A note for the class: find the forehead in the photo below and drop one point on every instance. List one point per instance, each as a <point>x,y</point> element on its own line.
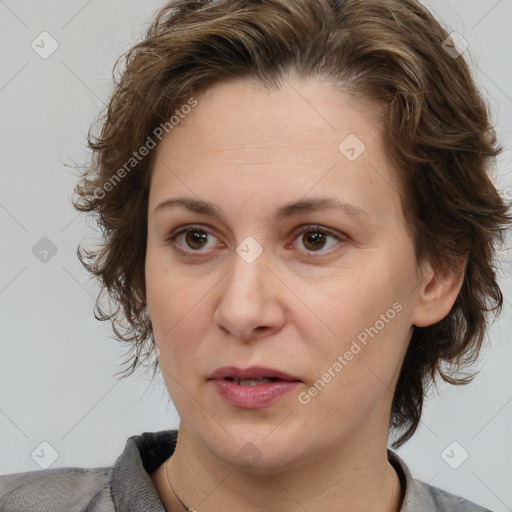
<point>306,135</point>
<point>242,115</point>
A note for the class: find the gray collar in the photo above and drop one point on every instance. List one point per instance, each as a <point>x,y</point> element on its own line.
<point>132,488</point>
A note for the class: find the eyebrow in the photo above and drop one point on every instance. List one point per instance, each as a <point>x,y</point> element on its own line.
<point>285,211</point>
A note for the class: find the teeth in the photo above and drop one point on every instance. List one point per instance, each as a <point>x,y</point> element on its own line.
<point>252,382</point>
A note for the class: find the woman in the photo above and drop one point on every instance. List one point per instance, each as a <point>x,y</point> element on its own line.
<point>297,214</point>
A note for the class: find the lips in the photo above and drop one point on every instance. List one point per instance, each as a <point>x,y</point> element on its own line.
<point>254,372</point>
<point>253,387</point>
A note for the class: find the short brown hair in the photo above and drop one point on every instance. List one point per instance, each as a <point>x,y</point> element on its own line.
<point>435,127</point>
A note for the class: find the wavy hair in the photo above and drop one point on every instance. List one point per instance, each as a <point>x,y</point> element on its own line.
<point>435,126</point>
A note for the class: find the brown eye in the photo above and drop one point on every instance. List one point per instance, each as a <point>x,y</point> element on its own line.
<point>195,239</point>
<point>190,239</point>
<point>315,239</point>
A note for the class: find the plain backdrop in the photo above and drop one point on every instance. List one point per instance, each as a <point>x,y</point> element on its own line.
<point>57,363</point>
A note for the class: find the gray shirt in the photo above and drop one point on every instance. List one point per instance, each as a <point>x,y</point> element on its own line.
<point>127,487</point>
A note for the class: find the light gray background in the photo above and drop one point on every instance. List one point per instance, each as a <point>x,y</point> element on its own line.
<point>57,363</point>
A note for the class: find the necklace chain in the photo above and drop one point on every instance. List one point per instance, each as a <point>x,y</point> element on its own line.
<point>188,509</point>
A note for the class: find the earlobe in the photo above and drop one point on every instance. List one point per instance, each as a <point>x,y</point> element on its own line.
<point>438,291</point>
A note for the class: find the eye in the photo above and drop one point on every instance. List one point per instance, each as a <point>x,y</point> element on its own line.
<point>316,238</point>
<point>194,236</point>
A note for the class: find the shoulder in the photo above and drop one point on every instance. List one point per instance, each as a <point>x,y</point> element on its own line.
<point>56,490</point>
<point>422,497</point>
<point>126,485</point>
<point>446,501</point>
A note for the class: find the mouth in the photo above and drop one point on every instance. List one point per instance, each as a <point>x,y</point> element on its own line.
<point>251,382</point>
<point>252,376</point>
<point>254,387</point>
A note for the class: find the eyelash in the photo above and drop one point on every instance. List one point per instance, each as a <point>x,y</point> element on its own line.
<point>171,239</point>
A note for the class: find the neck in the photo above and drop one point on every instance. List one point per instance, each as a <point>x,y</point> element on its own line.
<point>344,479</point>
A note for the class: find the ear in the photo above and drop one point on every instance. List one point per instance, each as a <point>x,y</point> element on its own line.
<point>439,289</point>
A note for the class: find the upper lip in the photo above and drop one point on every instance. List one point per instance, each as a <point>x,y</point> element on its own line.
<point>253,372</point>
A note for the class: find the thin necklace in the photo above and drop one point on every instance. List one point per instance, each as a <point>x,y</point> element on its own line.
<point>188,509</point>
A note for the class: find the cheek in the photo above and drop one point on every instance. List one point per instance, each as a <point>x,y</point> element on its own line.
<point>167,300</point>
<point>354,369</point>
<point>356,299</point>
<point>368,325</point>
<point>168,296</point>
<point>178,314</point>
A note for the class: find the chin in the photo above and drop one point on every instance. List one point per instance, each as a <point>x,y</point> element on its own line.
<point>257,449</point>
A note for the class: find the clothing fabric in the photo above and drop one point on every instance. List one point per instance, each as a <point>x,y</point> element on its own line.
<point>126,486</point>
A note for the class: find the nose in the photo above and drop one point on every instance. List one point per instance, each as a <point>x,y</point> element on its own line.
<point>250,304</point>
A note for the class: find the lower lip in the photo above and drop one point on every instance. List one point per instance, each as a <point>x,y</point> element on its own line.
<point>252,397</point>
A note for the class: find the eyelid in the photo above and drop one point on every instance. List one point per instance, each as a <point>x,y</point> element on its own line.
<point>187,227</point>
<point>312,227</point>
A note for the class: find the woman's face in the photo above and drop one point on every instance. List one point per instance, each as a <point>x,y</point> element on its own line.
<point>326,295</point>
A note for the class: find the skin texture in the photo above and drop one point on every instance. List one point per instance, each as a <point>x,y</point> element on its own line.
<point>249,150</point>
